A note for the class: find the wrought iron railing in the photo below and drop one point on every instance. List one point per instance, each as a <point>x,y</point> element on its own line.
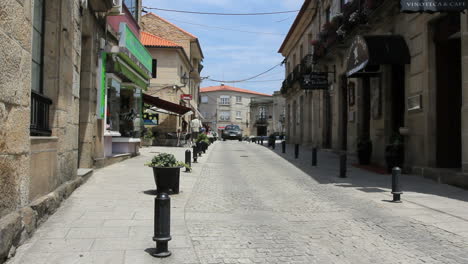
<point>261,119</point>
<point>40,114</point>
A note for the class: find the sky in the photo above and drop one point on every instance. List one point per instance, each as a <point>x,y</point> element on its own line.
<point>232,55</point>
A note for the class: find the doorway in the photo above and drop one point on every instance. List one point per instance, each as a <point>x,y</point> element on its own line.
<point>261,131</point>
<point>327,132</point>
<point>344,112</point>
<point>448,92</point>
<point>398,99</point>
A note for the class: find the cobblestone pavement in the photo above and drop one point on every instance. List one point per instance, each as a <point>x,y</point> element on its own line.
<point>245,203</point>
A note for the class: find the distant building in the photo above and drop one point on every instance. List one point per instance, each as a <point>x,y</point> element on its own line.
<point>170,64</point>
<point>224,105</point>
<point>177,58</point>
<point>267,115</point>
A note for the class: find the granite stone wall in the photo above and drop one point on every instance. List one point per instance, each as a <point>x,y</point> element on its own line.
<point>15,89</point>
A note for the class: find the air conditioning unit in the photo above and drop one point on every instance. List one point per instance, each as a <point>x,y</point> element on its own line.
<point>117,8</point>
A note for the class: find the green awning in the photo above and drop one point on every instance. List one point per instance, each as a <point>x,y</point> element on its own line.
<point>122,67</point>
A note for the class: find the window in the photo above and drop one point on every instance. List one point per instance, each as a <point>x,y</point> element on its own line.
<point>204,99</point>
<point>225,116</point>
<point>40,105</point>
<point>239,99</point>
<point>262,112</point>
<point>225,100</point>
<point>154,71</point>
<point>38,46</point>
<point>132,6</point>
<point>238,114</point>
<point>301,52</point>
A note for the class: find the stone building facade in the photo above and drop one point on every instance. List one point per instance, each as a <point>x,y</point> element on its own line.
<point>401,94</point>
<point>176,72</point>
<point>225,105</point>
<point>267,115</point>
<point>160,27</point>
<point>49,56</point>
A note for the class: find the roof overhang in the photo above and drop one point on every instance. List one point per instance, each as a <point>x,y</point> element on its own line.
<point>367,53</point>
<point>296,22</point>
<point>170,107</point>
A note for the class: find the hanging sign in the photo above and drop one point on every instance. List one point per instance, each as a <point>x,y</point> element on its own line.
<point>186,97</point>
<point>431,6</point>
<point>315,81</point>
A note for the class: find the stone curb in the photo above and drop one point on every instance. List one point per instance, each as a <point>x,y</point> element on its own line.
<point>17,227</point>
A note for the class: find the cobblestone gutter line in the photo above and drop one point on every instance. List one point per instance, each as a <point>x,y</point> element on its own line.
<point>17,227</point>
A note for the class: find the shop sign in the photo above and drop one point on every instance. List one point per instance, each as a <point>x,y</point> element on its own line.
<point>137,51</point>
<point>186,97</point>
<point>316,81</point>
<point>431,6</point>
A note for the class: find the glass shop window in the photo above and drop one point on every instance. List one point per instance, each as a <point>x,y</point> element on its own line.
<point>113,105</point>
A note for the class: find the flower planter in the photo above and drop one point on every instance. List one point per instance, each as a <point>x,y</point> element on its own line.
<point>147,142</point>
<point>203,146</point>
<point>167,179</point>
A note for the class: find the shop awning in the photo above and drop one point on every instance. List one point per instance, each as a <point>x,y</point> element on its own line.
<point>165,105</point>
<point>368,52</point>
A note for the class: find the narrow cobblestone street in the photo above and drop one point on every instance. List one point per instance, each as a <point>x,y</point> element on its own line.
<point>244,203</point>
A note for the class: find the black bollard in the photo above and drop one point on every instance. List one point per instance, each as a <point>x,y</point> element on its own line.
<point>396,188</point>
<point>273,145</point>
<point>188,157</point>
<point>343,165</point>
<point>162,224</point>
<point>195,154</point>
<point>283,146</point>
<point>261,141</point>
<point>314,157</point>
<point>296,151</point>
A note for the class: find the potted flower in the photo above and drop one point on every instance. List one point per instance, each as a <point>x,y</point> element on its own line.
<point>148,138</point>
<point>203,142</point>
<point>364,150</point>
<point>394,152</point>
<point>166,172</point>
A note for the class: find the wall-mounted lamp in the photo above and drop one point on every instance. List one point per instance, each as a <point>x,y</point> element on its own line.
<point>184,79</point>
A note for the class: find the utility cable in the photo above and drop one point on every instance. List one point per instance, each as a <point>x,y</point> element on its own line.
<point>247,79</point>
<point>230,29</point>
<point>220,14</point>
<point>277,80</point>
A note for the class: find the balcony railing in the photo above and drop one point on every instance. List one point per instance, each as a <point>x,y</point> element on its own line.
<point>40,115</point>
<point>343,25</point>
<point>261,120</point>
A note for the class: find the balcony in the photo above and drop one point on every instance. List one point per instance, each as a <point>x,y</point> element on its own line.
<point>101,5</point>
<point>296,73</point>
<point>261,120</point>
<point>342,26</point>
<point>40,114</point>
<point>306,64</point>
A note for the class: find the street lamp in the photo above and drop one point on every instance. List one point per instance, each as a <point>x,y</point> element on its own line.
<point>184,79</point>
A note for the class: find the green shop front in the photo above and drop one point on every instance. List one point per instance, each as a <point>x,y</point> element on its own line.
<point>125,73</point>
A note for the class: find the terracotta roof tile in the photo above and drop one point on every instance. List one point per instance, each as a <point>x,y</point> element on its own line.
<point>229,88</point>
<point>148,39</point>
<point>188,33</point>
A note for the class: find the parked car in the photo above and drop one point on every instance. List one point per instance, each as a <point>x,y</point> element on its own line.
<point>232,132</point>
